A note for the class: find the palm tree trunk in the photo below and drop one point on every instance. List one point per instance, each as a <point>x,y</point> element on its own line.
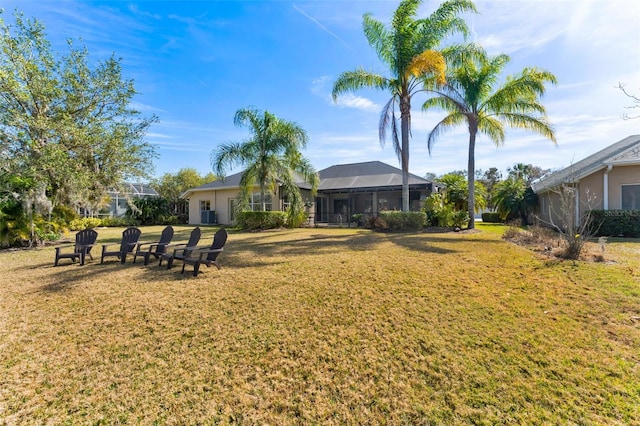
<point>471,172</point>
<point>405,128</point>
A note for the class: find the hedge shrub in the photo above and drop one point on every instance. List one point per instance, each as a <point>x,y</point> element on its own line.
<point>616,223</point>
<point>491,217</point>
<point>249,220</point>
<point>404,221</point>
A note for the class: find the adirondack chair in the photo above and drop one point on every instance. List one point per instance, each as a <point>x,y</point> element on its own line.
<point>85,240</point>
<point>147,250</point>
<point>207,256</point>
<point>181,250</point>
<point>129,241</point>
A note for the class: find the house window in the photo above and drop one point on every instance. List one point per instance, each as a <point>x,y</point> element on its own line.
<point>255,202</point>
<point>630,197</point>
<point>205,205</point>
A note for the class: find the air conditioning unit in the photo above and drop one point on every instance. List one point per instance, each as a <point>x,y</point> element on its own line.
<point>208,217</point>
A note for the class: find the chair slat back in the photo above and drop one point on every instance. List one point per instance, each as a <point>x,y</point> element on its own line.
<point>86,237</point>
<point>194,239</point>
<point>165,238</point>
<point>130,236</point>
<point>219,240</point>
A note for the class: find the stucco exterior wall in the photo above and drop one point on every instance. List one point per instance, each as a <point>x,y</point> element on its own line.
<point>219,202</point>
<point>592,192</point>
<point>618,176</point>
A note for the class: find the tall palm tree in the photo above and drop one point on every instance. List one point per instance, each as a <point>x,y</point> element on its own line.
<point>271,155</point>
<point>473,97</point>
<point>407,49</point>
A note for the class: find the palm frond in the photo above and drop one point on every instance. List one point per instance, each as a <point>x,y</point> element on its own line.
<point>353,80</point>
<point>493,128</point>
<point>387,116</point>
<point>448,122</point>
<point>378,38</point>
<point>429,62</point>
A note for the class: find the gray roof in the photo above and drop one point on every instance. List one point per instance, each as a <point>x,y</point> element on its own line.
<point>231,182</point>
<point>369,175</point>
<point>622,152</point>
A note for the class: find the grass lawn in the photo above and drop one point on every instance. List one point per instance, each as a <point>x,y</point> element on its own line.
<point>324,326</point>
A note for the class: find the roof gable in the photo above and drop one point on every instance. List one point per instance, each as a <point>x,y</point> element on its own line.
<point>372,174</point>
<point>623,152</point>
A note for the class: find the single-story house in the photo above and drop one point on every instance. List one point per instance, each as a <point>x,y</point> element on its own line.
<point>606,180</point>
<point>344,190</point>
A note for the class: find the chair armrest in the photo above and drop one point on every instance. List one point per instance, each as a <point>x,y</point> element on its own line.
<point>62,246</point>
<point>152,245</point>
<point>185,249</point>
<point>207,251</point>
<point>140,244</point>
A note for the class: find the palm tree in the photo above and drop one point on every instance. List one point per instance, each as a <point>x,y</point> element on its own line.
<point>271,156</point>
<point>472,96</point>
<point>407,50</point>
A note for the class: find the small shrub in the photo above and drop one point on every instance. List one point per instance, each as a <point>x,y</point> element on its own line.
<point>460,219</point>
<point>115,222</point>
<point>376,222</point>
<point>358,218</point>
<point>63,215</point>
<point>84,223</point>
<point>404,221</point>
<point>491,217</point>
<point>250,220</point>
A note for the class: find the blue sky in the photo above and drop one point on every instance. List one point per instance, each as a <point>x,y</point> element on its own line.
<point>195,63</point>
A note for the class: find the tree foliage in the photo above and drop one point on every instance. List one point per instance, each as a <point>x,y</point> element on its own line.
<point>474,97</point>
<point>67,129</point>
<point>171,185</point>
<point>407,49</point>
<point>514,198</point>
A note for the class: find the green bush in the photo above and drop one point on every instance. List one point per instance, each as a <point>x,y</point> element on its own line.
<point>616,223</point>
<point>84,223</point>
<point>250,220</point>
<point>404,221</point>
<point>14,226</point>
<point>116,222</point>
<point>63,215</point>
<point>491,217</point>
<point>460,219</point>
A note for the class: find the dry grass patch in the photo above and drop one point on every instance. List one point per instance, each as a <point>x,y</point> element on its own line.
<point>327,326</point>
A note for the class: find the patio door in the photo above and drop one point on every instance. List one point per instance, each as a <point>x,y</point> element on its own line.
<point>232,210</point>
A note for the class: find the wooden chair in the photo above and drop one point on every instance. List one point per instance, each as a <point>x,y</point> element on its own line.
<point>85,240</point>
<point>181,250</point>
<point>130,237</point>
<point>207,256</point>
<point>147,250</point>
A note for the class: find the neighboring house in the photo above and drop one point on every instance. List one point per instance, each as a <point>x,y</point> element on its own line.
<point>606,180</point>
<point>118,204</point>
<point>365,188</point>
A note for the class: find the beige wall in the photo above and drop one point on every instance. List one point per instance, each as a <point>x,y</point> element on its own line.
<point>219,202</point>
<point>618,176</point>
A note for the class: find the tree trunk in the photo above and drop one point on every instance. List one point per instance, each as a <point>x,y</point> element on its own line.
<point>471,172</point>
<point>405,128</point>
